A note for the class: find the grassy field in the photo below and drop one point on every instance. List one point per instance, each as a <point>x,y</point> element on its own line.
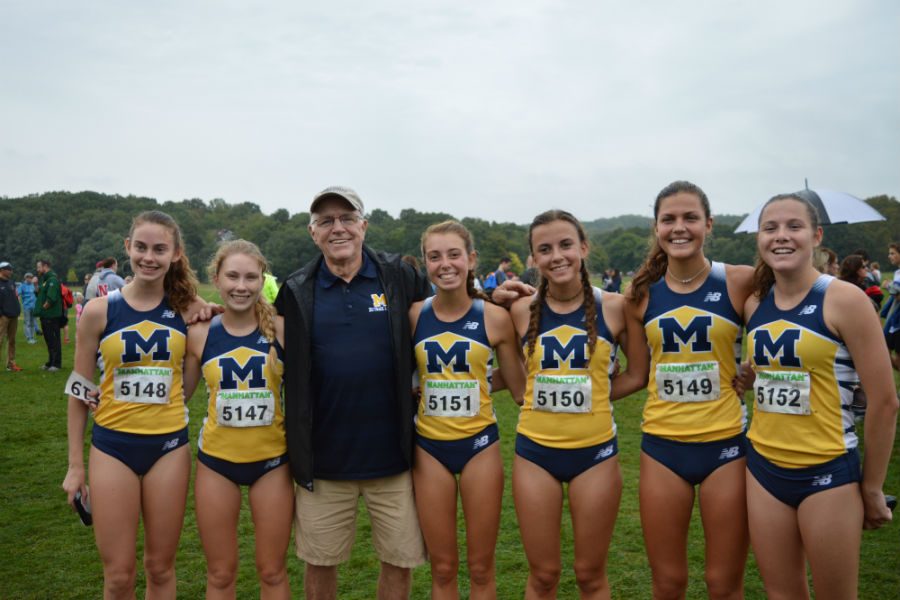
<point>47,553</point>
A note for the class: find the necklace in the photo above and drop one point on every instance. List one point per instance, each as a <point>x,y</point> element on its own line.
<point>569,299</point>
<point>692,277</point>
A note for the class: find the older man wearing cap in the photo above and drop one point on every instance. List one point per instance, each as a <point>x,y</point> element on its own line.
<point>9,316</point>
<point>348,402</point>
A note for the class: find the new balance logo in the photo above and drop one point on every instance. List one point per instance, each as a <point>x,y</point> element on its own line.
<point>471,325</point>
<point>822,480</point>
<point>604,452</point>
<point>808,309</point>
<point>170,444</point>
<point>713,297</point>
<point>168,314</point>
<point>480,442</point>
<point>730,452</point>
<point>272,463</point>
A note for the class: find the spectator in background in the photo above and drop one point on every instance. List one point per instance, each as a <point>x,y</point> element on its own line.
<point>826,261</point>
<point>530,274</point>
<point>79,306</point>
<point>68,299</point>
<point>891,310</point>
<point>36,285</point>
<point>875,270</point>
<point>90,290</point>
<point>108,280</point>
<point>870,280</point>
<point>87,282</point>
<point>9,315</point>
<point>496,278</point>
<point>28,296</point>
<point>270,287</point>
<point>49,308</point>
<point>612,282</point>
<point>854,270</point>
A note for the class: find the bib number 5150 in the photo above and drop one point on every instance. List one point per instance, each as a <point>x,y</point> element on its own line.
<point>562,393</point>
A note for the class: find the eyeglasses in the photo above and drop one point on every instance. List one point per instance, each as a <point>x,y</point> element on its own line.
<point>347,220</point>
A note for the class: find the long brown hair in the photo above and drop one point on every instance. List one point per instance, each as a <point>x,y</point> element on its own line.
<point>180,282</point>
<point>265,312</point>
<point>850,267</point>
<point>588,303</point>
<point>457,228</point>
<point>657,261</point>
<point>763,275</point>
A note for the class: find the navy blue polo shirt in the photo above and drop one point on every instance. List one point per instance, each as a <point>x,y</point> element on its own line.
<point>356,416</point>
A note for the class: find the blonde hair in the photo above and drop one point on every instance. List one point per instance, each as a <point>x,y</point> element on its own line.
<point>180,282</point>
<point>265,312</point>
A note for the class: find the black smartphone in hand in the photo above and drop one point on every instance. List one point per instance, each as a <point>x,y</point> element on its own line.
<point>83,508</point>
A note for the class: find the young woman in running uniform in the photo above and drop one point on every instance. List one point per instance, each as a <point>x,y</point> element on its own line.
<point>690,310</point>
<point>566,433</point>
<point>455,334</point>
<point>139,461</point>
<point>242,441</point>
<point>812,340</point>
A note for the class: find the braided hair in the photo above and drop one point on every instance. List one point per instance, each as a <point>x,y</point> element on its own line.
<point>588,303</point>
<point>264,312</point>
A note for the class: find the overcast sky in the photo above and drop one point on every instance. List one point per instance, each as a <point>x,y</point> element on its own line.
<point>495,109</point>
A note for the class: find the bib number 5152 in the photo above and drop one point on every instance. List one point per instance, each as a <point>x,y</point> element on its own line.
<point>784,392</point>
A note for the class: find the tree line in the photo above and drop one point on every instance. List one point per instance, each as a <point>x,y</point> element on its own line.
<point>75,230</point>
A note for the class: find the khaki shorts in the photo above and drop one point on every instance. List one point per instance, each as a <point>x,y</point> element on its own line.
<point>326,520</point>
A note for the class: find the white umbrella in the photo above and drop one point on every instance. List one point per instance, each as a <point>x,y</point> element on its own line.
<point>833,207</point>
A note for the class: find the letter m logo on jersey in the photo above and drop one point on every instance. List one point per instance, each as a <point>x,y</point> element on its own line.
<point>145,340</point>
<point>694,335</point>
<point>250,370</point>
<point>564,345</point>
<point>447,352</point>
<point>783,347</point>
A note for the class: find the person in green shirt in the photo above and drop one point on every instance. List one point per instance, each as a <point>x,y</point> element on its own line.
<point>49,308</point>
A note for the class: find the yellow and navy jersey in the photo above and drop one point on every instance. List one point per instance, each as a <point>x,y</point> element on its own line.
<point>567,391</point>
<point>695,350</point>
<point>245,419</point>
<point>454,362</point>
<point>141,387</point>
<point>804,383</point>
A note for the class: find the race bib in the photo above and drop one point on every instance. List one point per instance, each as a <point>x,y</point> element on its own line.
<point>245,408</point>
<point>460,398</point>
<point>688,382</point>
<point>785,392</point>
<point>79,386</point>
<point>562,393</point>
<point>144,385</point>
